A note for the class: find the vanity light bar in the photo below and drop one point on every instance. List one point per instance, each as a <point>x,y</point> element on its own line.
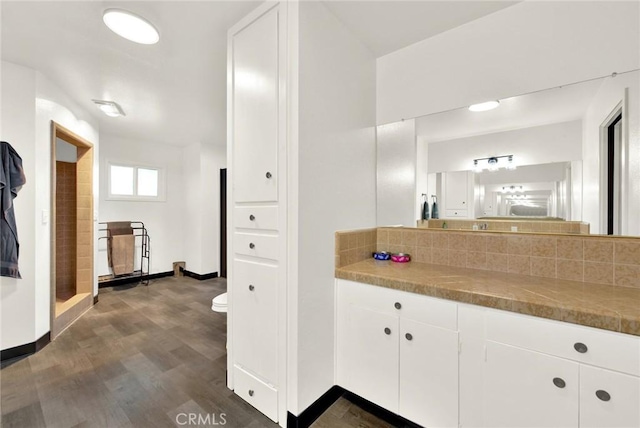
<point>493,163</point>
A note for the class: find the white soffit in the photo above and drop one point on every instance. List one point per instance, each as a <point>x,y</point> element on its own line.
<point>386,26</point>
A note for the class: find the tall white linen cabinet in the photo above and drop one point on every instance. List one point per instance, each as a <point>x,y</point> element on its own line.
<point>301,165</point>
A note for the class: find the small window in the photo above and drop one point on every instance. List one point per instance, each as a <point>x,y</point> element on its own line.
<point>137,183</point>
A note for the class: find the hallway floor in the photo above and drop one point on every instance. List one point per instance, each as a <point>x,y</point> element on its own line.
<point>140,358</point>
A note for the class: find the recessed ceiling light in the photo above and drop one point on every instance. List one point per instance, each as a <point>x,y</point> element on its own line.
<point>489,105</point>
<point>131,26</point>
<point>110,108</point>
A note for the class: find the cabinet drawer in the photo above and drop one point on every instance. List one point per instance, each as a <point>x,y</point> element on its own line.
<point>254,289</point>
<point>265,218</point>
<point>250,244</point>
<point>255,392</point>
<point>424,309</point>
<point>588,345</point>
<point>455,213</point>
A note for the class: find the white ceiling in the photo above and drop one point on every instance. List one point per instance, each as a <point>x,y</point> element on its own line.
<point>175,91</point>
<point>386,26</point>
<point>172,92</point>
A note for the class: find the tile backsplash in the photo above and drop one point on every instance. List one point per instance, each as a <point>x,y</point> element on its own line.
<point>586,258</point>
<point>522,225</point>
<point>354,246</point>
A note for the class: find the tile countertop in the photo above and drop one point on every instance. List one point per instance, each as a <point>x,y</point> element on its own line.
<point>595,305</point>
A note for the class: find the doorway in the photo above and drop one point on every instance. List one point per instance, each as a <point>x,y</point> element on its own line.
<point>71,227</point>
<point>223,223</point>
<point>612,173</point>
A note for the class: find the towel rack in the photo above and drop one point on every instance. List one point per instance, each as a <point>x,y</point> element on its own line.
<point>139,230</point>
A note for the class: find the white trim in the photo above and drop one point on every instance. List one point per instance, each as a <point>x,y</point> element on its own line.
<point>162,182</point>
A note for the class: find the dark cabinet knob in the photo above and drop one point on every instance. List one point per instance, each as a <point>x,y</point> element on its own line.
<point>580,347</point>
<point>560,383</point>
<point>252,217</point>
<point>251,288</point>
<point>603,395</point>
<point>409,336</point>
<point>252,245</point>
<point>251,393</point>
<point>387,330</point>
<point>397,305</point>
<point>268,175</point>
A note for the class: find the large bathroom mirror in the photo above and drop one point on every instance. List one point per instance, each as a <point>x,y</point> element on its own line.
<point>569,153</point>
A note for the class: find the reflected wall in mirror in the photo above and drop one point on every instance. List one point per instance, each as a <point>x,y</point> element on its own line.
<point>576,149</point>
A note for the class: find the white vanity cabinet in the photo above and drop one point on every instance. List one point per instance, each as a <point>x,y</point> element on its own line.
<point>441,363</point>
<point>257,209</point>
<point>543,373</point>
<point>400,351</point>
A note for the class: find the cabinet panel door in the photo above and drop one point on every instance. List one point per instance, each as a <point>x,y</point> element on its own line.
<point>255,110</point>
<point>255,296</point>
<point>456,190</point>
<point>520,390</point>
<point>428,374</point>
<point>622,409</point>
<point>372,356</point>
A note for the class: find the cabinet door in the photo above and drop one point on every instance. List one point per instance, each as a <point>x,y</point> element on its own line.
<point>372,356</point>
<point>608,399</point>
<point>520,390</point>
<point>428,374</point>
<point>255,110</point>
<point>456,190</point>
<point>255,297</point>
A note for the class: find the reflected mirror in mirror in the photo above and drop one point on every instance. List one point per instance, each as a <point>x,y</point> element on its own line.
<point>576,150</point>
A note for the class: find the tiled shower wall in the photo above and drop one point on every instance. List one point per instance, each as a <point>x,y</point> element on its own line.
<point>592,258</point>
<point>66,226</point>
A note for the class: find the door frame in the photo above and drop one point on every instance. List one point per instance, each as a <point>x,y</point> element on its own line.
<point>223,222</point>
<point>83,300</point>
<point>619,110</point>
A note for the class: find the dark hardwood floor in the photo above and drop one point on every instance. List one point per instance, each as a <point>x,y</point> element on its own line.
<point>141,357</point>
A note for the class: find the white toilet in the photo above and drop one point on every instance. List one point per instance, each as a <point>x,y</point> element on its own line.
<point>219,303</point>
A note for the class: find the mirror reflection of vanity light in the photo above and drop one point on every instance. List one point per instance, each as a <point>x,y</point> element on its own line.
<point>493,163</point>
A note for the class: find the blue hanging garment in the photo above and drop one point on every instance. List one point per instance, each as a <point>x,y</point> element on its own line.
<point>434,208</point>
<point>425,208</point>
<point>12,178</point>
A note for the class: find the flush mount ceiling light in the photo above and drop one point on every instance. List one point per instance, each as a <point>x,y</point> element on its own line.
<point>489,105</point>
<point>131,26</point>
<point>109,108</point>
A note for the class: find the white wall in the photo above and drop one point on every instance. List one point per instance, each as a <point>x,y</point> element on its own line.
<point>164,220</point>
<point>29,103</point>
<point>336,179</point>
<point>526,47</point>
<point>557,142</point>
<point>201,211</point>
<point>17,298</point>
<point>612,92</point>
<point>396,174</point>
